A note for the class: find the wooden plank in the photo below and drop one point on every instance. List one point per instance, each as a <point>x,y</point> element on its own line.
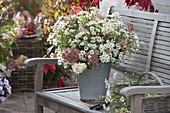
<point>157,69</point>
<point>134,63</point>
<point>161,33</point>
<point>54,101</point>
<point>133,67</point>
<point>138,24</point>
<point>163,2</point>
<point>161,56</point>
<point>143,14</point>
<point>137,20</point>
<point>160,74</point>
<point>163,38</point>
<point>151,46</point>
<point>163,52</point>
<point>164,61</point>
<point>140,56</point>
<point>165,43</point>
<point>133,59</point>
<point>161,65</point>
<point>138,29</point>
<point>165,24</point>
<point>164,29</point>
<point>156,46</point>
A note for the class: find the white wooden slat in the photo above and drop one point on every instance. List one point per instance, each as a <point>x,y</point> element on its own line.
<point>143,35</point>
<point>158,60</point>
<point>145,40</point>
<point>162,47</point>
<point>161,75</point>
<point>138,24</point>
<point>163,52</point>
<point>161,33</point>
<point>143,51</point>
<point>163,9</point>
<point>162,2</point>
<point>140,56</point>
<point>135,63</point>
<point>161,56</point>
<point>141,25</point>
<point>139,29</point>
<point>133,59</point>
<point>137,20</point>
<point>160,65</point>
<point>165,43</point>
<point>143,14</point>
<point>151,45</point>
<point>131,67</point>
<point>162,70</point>
<point>165,24</point>
<point>164,29</point>
<point>163,38</point>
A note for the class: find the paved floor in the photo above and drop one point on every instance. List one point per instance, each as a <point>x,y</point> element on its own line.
<point>19,102</point>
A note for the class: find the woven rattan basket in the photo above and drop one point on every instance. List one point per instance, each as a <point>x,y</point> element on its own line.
<point>156,104</point>
<point>30,46</point>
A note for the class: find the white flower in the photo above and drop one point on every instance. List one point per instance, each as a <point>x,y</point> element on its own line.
<point>79,67</point>
<point>93,32</point>
<point>91,28</point>
<point>91,51</point>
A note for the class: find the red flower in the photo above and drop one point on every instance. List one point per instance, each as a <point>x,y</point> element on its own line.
<point>95,2</point>
<point>60,82</point>
<point>49,66</point>
<point>142,4</point>
<point>75,84</point>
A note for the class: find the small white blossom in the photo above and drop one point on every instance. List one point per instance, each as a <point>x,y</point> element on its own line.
<point>79,67</point>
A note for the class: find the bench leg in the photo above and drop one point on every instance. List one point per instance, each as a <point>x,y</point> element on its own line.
<point>38,109</point>
<point>136,104</point>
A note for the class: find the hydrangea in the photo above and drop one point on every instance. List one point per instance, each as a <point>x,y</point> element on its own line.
<point>5,89</point>
<point>90,38</point>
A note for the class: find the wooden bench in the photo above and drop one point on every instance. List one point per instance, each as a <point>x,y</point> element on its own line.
<point>154,30</point>
<point>61,100</point>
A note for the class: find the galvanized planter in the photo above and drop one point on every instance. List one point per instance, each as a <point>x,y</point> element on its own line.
<point>92,82</point>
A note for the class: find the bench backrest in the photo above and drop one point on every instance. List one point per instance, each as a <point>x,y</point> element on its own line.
<point>154,30</point>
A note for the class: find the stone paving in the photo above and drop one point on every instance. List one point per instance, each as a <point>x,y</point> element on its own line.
<point>20,102</point>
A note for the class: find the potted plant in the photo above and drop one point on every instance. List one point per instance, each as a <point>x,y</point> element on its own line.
<point>88,40</point>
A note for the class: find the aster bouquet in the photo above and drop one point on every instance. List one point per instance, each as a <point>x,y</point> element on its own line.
<point>82,41</point>
<point>5,88</point>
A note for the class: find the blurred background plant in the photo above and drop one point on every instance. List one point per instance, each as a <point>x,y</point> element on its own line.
<point>7,34</point>
<point>145,5</point>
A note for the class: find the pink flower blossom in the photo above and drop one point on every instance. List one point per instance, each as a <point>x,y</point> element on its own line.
<point>92,60</point>
<point>19,32</point>
<point>71,55</point>
<point>5,36</point>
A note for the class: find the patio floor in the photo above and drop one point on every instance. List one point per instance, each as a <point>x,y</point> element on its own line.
<point>20,102</point>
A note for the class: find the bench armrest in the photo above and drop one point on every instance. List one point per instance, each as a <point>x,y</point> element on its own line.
<point>137,92</point>
<point>39,67</point>
<point>140,90</point>
<point>41,61</point>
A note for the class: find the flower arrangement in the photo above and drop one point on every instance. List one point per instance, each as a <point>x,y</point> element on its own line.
<point>82,41</point>
<point>5,88</point>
